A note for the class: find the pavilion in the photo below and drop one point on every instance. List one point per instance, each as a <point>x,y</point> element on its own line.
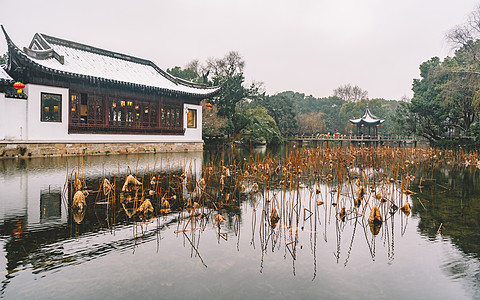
<point>368,120</point>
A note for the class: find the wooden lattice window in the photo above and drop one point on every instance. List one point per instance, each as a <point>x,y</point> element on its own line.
<point>171,116</point>
<point>94,110</point>
<point>132,113</point>
<point>74,108</point>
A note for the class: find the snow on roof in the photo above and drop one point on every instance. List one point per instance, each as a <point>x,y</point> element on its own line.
<point>4,76</point>
<point>367,117</point>
<point>79,59</point>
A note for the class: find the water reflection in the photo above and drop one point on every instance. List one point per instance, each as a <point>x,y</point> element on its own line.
<point>271,218</point>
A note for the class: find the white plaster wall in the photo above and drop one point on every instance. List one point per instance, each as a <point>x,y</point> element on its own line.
<point>3,124</point>
<point>194,134</point>
<point>58,131</point>
<point>41,131</point>
<point>14,119</point>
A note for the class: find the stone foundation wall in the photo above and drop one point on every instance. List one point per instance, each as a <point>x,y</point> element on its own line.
<point>8,150</point>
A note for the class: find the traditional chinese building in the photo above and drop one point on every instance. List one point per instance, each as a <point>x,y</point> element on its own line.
<point>367,125</point>
<point>78,95</point>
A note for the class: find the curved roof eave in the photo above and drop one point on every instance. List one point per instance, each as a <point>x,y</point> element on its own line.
<point>5,78</point>
<point>106,80</point>
<point>367,118</point>
<point>363,121</point>
<point>214,90</point>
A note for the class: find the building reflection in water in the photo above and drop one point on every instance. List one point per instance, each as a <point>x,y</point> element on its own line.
<point>35,213</point>
<point>309,220</point>
<point>50,205</point>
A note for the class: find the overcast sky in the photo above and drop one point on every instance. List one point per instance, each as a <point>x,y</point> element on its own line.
<point>306,46</point>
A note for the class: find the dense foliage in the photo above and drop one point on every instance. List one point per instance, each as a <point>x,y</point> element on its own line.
<point>330,114</point>
<point>236,111</point>
<point>282,110</point>
<point>446,101</point>
<point>255,125</point>
<point>245,113</point>
<point>213,125</point>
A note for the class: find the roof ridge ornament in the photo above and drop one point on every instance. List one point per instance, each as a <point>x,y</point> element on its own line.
<point>40,49</point>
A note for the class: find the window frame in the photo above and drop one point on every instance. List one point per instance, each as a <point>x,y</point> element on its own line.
<point>194,114</point>
<point>42,108</point>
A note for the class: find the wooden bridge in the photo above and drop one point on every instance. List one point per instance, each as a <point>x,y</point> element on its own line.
<point>355,140</point>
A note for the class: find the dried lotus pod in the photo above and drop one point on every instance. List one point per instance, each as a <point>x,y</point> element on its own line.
<point>79,202</point>
<point>130,184</point>
<point>165,204</point>
<point>107,187</point>
<point>78,184</point>
<point>255,187</point>
<point>342,214</point>
<point>202,184</point>
<point>274,217</point>
<point>406,208</point>
<point>360,192</point>
<point>219,219</point>
<point>375,216</point>
<point>146,207</point>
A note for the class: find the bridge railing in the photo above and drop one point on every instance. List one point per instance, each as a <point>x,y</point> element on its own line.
<point>323,137</point>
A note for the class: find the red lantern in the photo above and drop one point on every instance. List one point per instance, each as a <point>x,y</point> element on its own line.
<point>208,105</point>
<point>19,86</point>
<point>353,125</point>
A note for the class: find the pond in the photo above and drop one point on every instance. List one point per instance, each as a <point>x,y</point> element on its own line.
<point>213,232</point>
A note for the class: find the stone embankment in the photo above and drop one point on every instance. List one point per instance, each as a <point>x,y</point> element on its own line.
<point>9,150</point>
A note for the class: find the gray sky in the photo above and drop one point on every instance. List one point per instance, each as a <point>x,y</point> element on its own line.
<point>305,46</point>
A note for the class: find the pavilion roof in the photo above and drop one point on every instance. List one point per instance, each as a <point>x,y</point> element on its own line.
<point>75,60</point>
<point>367,119</point>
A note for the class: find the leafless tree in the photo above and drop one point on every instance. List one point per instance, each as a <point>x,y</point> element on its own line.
<point>232,63</point>
<point>358,94</point>
<point>350,93</point>
<point>311,123</point>
<point>195,66</point>
<point>464,35</point>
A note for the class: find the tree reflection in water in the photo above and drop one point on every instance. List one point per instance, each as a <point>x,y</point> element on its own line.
<point>289,205</point>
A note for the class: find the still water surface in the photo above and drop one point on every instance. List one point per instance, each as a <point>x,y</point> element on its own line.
<point>45,254</point>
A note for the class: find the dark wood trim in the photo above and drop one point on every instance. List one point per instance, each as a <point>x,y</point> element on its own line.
<point>96,129</point>
<point>165,116</point>
<point>42,116</point>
